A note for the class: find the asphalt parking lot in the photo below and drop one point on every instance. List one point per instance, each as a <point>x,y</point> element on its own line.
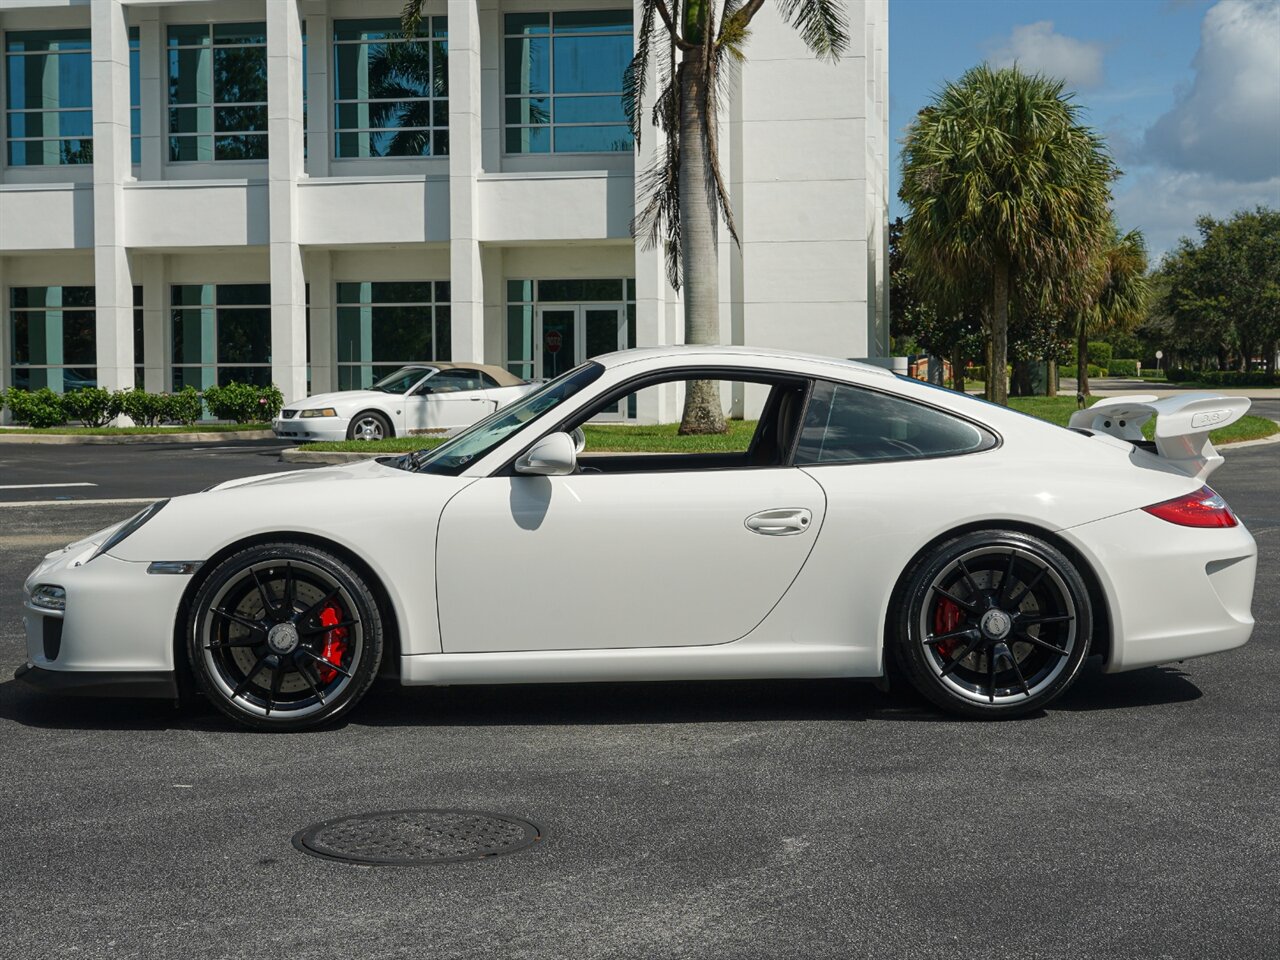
<point>1139,817</point>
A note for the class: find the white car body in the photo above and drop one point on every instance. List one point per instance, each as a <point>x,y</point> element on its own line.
<point>494,577</point>
<point>420,410</point>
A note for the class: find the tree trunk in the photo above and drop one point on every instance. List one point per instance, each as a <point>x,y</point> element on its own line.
<point>996,367</point>
<point>1051,384</point>
<point>1082,363</point>
<point>957,370</point>
<point>700,257</point>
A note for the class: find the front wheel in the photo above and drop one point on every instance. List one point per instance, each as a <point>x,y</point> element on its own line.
<point>369,425</point>
<point>284,636</point>
<point>992,624</point>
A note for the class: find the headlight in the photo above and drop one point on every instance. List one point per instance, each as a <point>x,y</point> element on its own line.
<point>49,596</point>
<point>128,528</point>
<point>323,412</point>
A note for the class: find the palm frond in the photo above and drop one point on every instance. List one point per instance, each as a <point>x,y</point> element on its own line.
<point>823,25</point>
<point>635,79</point>
<point>411,17</point>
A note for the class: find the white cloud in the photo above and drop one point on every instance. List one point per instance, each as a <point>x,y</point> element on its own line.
<point>1164,203</point>
<point>1228,122</point>
<point>1037,49</point>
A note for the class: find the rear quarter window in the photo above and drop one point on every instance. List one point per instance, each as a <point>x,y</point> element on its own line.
<point>844,424</point>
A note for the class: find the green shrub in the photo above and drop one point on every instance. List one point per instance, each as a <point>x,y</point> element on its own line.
<point>1236,378</point>
<point>1100,353</point>
<point>144,409</point>
<point>40,409</point>
<point>244,402</point>
<point>182,407</point>
<point>1070,370</point>
<point>1122,368</point>
<point>92,406</point>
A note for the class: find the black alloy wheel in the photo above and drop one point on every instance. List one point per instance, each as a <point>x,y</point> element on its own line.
<point>992,624</point>
<point>284,636</point>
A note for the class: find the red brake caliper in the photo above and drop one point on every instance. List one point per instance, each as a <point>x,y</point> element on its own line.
<point>335,643</point>
<point>946,618</point>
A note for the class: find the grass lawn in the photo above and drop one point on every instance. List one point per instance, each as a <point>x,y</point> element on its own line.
<point>130,431</point>
<point>664,439</point>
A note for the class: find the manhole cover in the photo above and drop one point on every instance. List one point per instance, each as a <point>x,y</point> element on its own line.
<point>415,837</point>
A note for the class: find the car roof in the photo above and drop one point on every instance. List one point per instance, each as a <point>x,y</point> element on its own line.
<point>737,354</point>
<point>505,378</point>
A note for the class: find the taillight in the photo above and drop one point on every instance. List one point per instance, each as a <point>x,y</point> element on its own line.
<point>1204,508</point>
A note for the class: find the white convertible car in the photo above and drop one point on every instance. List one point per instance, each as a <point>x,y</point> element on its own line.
<point>866,519</point>
<point>417,398</point>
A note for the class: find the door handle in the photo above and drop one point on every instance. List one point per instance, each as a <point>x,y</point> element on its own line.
<point>780,523</point>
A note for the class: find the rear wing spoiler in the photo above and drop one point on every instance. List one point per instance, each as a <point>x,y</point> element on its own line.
<point>1182,426</point>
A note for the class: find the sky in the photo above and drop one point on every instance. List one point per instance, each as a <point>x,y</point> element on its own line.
<point>1186,92</point>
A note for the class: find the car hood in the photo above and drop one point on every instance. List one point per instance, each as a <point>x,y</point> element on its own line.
<point>363,506</point>
<point>344,400</point>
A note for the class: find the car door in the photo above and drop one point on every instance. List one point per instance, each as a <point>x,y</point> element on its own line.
<point>627,559</point>
<point>451,398</point>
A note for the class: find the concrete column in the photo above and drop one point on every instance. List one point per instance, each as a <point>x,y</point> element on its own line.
<point>152,69</point>
<point>324,368</point>
<point>284,168</point>
<point>157,341</point>
<point>319,106</point>
<point>466,273</point>
<point>112,279</point>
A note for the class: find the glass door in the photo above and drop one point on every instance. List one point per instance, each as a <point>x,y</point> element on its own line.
<point>604,330</point>
<point>556,341</point>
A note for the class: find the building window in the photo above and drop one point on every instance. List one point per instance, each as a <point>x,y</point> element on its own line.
<point>382,326</point>
<point>48,111</point>
<point>135,97</point>
<point>52,338</point>
<point>221,333</point>
<point>218,91</point>
<point>139,343</point>
<point>390,91</point>
<point>563,81</point>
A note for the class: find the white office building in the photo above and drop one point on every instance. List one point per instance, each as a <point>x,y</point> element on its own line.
<point>195,191</point>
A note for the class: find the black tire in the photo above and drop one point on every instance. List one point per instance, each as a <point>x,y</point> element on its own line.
<point>992,624</point>
<point>284,636</point>
<point>369,425</point>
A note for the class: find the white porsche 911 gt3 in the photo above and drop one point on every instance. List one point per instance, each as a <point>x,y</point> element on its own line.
<point>866,518</point>
<point>417,398</point>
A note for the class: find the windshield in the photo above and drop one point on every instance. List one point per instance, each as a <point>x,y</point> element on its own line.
<point>402,380</point>
<point>453,456</point>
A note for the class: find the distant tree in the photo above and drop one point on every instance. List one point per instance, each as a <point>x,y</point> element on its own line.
<point>1221,293</point>
<point>1117,295</point>
<point>1003,182</point>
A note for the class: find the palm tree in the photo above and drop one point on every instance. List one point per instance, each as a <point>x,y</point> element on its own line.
<point>1119,292</point>
<point>1004,183</point>
<point>693,41</point>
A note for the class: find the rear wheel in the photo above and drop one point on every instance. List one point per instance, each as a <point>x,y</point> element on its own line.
<point>369,425</point>
<point>993,624</point>
<point>284,636</point>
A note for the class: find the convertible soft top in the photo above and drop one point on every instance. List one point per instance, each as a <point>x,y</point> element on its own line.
<point>505,378</point>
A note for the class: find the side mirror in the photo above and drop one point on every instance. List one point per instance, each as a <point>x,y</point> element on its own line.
<point>552,456</point>
<point>579,440</point>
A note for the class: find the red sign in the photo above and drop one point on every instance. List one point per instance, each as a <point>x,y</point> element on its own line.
<point>553,340</point>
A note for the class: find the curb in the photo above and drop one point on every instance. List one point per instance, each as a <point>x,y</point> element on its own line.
<point>84,438</point>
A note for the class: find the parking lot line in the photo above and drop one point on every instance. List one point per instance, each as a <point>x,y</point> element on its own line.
<point>33,486</point>
<point>77,503</point>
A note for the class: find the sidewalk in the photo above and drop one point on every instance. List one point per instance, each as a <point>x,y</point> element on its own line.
<point>1116,386</point>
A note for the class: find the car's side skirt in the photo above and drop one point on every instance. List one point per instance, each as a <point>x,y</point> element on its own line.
<point>720,662</point>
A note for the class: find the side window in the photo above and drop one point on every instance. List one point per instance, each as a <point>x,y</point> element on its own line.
<point>845,423</point>
<point>487,381</point>
<point>451,381</point>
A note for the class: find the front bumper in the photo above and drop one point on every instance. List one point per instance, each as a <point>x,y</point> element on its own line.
<point>116,634</point>
<point>1173,592</point>
<point>153,684</point>
<point>311,428</point>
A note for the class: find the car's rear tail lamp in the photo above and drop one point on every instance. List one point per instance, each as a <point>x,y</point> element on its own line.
<point>1204,508</point>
